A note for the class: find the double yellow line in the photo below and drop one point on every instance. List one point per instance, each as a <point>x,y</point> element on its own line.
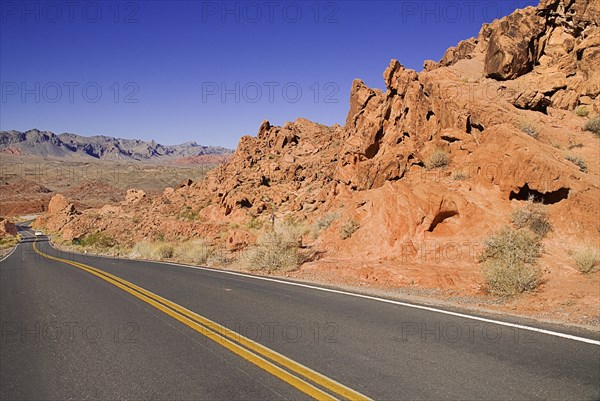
<point>301,377</point>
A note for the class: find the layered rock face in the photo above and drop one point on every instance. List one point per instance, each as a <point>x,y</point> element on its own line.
<point>498,108</point>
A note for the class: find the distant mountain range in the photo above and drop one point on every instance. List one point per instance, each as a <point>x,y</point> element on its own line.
<point>47,144</point>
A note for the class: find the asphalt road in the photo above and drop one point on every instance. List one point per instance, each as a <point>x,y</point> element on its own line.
<point>104,328</point>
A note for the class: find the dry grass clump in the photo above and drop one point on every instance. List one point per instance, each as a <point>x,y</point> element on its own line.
<point>586,259</point>
<point>508,261</point>
<point>460,175</point>
<point>197,251</point>
<point>323,223</point>
<point>157,250</point>
<point>278,249</point>
<point>578,161</point>
<point>9,241</point>
<point>533,216</point>
<point>439,158</point>
<point>529,128</point>
<point>582,111</point>
<point>97,240</point>
<point>593,125</point>
<point>193,251</point>
<point>348,228</point>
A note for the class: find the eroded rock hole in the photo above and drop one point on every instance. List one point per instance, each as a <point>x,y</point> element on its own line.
<point>547,198</point>
<point>449,139</point>
<point>440,217</point>
<point>264,181</point>
<point>245,203</point>
<point>374,147</point>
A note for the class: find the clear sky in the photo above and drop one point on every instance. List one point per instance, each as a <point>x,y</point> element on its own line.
<point>210,71</point>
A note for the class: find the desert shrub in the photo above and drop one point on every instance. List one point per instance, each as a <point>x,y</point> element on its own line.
<point>98,240</point>
<point>188,214</point>
<point>152,250</point>
<point>586,259</point>
<point>254,223</point>
<point>323,223</point>
<point>194,251</point>
<point>437,159</point>
<point>578,161</point>
<point>593,125</point>
<point>219,257</point>
<point>581,111</point>
<point>508,261</point>
<point>460,175</point>
<point>9,241</point>
<point>278,249</point>
<point>348,228</point>
<point>529,129</point>
<point>533,216</point>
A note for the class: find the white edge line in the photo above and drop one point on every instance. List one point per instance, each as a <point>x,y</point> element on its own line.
<point>11,252</point>
<point>372,298</point>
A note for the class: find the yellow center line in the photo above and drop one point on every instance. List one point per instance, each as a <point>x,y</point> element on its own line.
<point>226,338</point>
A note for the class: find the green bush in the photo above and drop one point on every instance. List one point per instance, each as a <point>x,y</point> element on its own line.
<point>348,228</point>
<point>437,159</point>
<point>578,161</point>
<point>586,259</point>
<point>593,125</point>
<point>508,261</point>
<point>533,216</point>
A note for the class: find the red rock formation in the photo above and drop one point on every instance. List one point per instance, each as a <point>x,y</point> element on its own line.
<point>499,107</point>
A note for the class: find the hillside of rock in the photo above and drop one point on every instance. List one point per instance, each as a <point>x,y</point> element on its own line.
<point>425,169</point>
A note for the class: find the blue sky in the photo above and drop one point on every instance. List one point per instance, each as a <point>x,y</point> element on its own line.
<point>210,71</point>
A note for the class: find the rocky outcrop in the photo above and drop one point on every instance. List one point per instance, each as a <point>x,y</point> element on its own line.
<point>7,228</point>
<point>545,55</point>
<point>60,213</point>
<point>134,196</point>
<point>513,44</point>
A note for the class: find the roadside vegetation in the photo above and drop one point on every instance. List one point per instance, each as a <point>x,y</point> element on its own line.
<point>509,261</point>
<point>509,258</point>
<point>97,240</point>
<point>586,259</point>
<point>278,249</point>
<point>9,241</point>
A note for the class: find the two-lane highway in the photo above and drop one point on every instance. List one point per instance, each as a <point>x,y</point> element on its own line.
<point>83,327</point>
